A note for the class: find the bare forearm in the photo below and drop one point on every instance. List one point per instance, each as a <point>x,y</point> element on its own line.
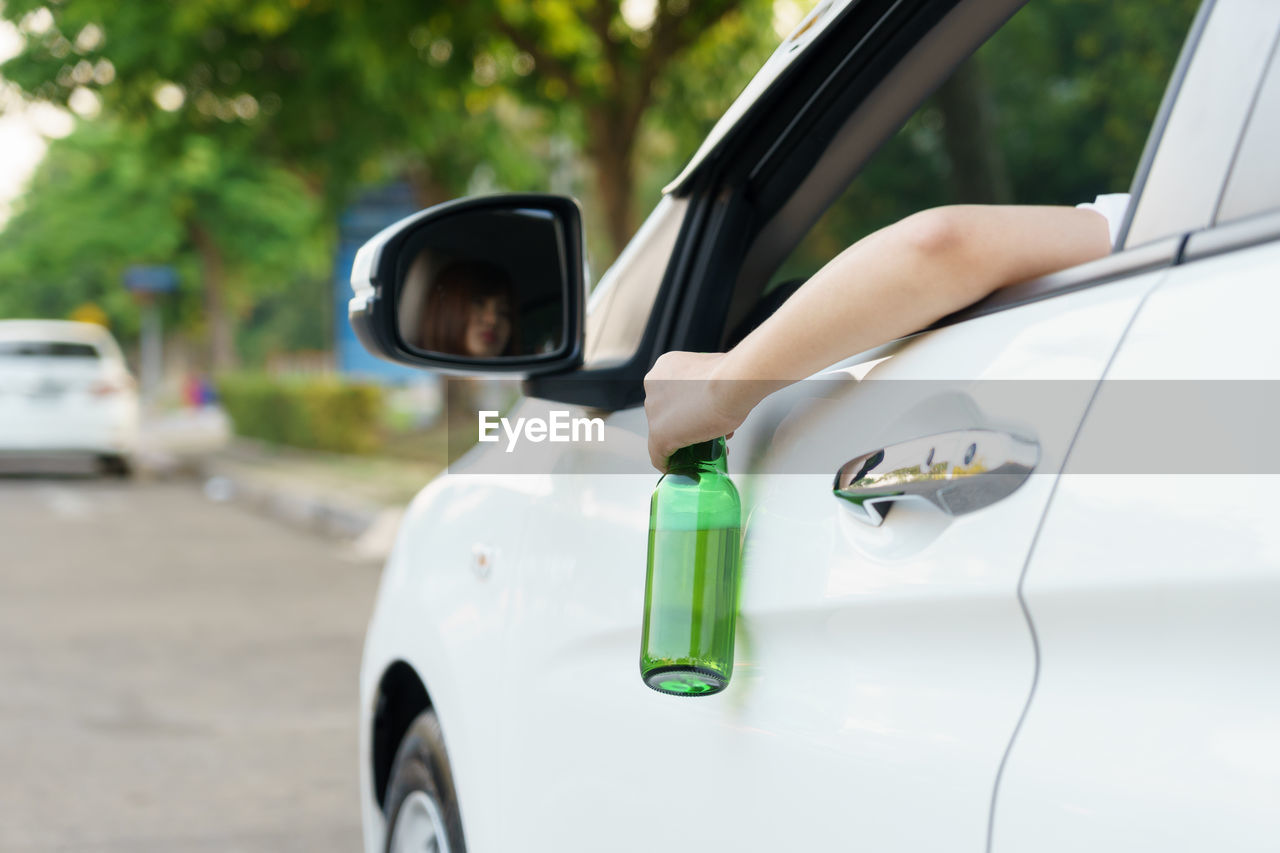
<point>902,278</point>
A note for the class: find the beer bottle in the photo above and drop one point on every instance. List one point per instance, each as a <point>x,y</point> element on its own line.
<point>691,589</point>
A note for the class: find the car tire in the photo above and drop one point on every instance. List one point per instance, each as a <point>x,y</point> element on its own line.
<point>421,805</point>
<point>115,465</point>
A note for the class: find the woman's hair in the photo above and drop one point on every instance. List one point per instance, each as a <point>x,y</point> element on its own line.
<point>449,300</point>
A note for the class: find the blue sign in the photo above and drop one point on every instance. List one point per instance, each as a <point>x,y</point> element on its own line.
<point>366,217</point>
<point>151,279</point>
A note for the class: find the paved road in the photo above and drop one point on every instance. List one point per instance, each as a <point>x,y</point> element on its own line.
<point>175,675</point>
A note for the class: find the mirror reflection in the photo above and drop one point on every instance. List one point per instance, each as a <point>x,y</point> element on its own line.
<point>469,312</point>
<point>486,285</point>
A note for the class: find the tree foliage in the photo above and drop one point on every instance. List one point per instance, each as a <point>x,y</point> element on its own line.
<point>223,114</point>
<point>346,93</point>
<point>107,197</point>
<point>614,69</point>
<point>230,131</point>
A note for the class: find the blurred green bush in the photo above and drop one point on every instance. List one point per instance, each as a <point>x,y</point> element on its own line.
<point>315,412</point>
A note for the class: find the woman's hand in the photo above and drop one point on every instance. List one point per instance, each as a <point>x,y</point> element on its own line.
<point>686,402</point>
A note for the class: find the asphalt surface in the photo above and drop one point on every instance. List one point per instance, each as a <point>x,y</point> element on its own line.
<point>175,674</point>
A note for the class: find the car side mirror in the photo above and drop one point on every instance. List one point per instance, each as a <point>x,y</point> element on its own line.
<point>493,284</point>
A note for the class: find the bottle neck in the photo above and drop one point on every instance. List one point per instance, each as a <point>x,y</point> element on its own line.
<point>704,457</point>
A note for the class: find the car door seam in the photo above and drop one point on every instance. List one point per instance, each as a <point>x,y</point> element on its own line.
<point>1035,539</point>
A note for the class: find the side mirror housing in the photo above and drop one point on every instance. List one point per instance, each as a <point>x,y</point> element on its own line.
<point>493,284</point>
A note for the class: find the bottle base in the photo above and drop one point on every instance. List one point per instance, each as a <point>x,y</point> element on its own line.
<point>685,680</point>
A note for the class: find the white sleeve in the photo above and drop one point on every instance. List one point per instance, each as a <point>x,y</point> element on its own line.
<point>1113,207</point>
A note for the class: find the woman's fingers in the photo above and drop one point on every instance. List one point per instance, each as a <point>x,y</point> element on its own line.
<point>657,458</point>
<point>679,405</point>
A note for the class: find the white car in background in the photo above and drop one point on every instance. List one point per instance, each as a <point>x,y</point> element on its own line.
<point>65,390</point>
<point>1083,659</point>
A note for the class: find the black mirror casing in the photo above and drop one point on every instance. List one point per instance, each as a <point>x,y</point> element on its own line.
<point>380,269</point>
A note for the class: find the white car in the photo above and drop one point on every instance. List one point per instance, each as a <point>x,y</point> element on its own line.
<point>65,390</point>
<point>1082,657</point>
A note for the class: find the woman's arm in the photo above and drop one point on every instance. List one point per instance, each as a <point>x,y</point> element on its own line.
<point>889,284</point>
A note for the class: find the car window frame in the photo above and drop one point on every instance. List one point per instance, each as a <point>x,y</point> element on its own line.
<point>1165,250</point>
<point>1134,257</point>
<point>758,189</point>
<point>1181,177</point>
<point>730,215</point>
<point>1125,260</point>
<point>1252,169</point>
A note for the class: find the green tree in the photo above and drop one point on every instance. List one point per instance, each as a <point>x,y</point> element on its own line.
<point>110,195</point>
<point>348,93</point>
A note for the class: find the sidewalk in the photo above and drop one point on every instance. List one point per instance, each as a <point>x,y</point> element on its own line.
<point>356,498</point>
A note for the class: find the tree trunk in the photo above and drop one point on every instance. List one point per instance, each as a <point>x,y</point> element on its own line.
<point>221,337</point>
<point>978,171</point>
<point>610,149</point>
<point>428,191</point>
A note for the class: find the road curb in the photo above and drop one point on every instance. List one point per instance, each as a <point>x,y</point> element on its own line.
<point>328,514</point>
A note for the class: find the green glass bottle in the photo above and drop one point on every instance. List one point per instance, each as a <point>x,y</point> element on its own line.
<point>691,589</point>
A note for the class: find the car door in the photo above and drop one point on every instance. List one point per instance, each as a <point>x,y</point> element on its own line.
<point>881,670</point>
<point>1155,581</point>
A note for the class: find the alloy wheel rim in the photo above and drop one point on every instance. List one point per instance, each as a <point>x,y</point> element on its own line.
<point>419,826</point>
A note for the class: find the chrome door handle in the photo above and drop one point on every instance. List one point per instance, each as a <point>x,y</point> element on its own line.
<point>958,472</point>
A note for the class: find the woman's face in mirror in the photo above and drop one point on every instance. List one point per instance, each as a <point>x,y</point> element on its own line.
<point>470,311</point>
<point>488,326</point>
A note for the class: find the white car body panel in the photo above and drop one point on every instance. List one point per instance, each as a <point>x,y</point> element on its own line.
<point>1155,723</point>
<point>436,614</point>
<point>884,668</point>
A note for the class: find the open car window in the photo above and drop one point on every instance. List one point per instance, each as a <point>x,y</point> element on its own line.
<point>1054,109</point>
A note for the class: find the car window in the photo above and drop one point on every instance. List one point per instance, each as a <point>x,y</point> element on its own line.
<point>47,349</point>
<point>1054,109</point>
<point>1254,185</point>
<point>1182,187</point>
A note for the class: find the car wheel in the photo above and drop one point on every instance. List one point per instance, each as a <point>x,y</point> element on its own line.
<point>115,465</point>
<point>422,806</point>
